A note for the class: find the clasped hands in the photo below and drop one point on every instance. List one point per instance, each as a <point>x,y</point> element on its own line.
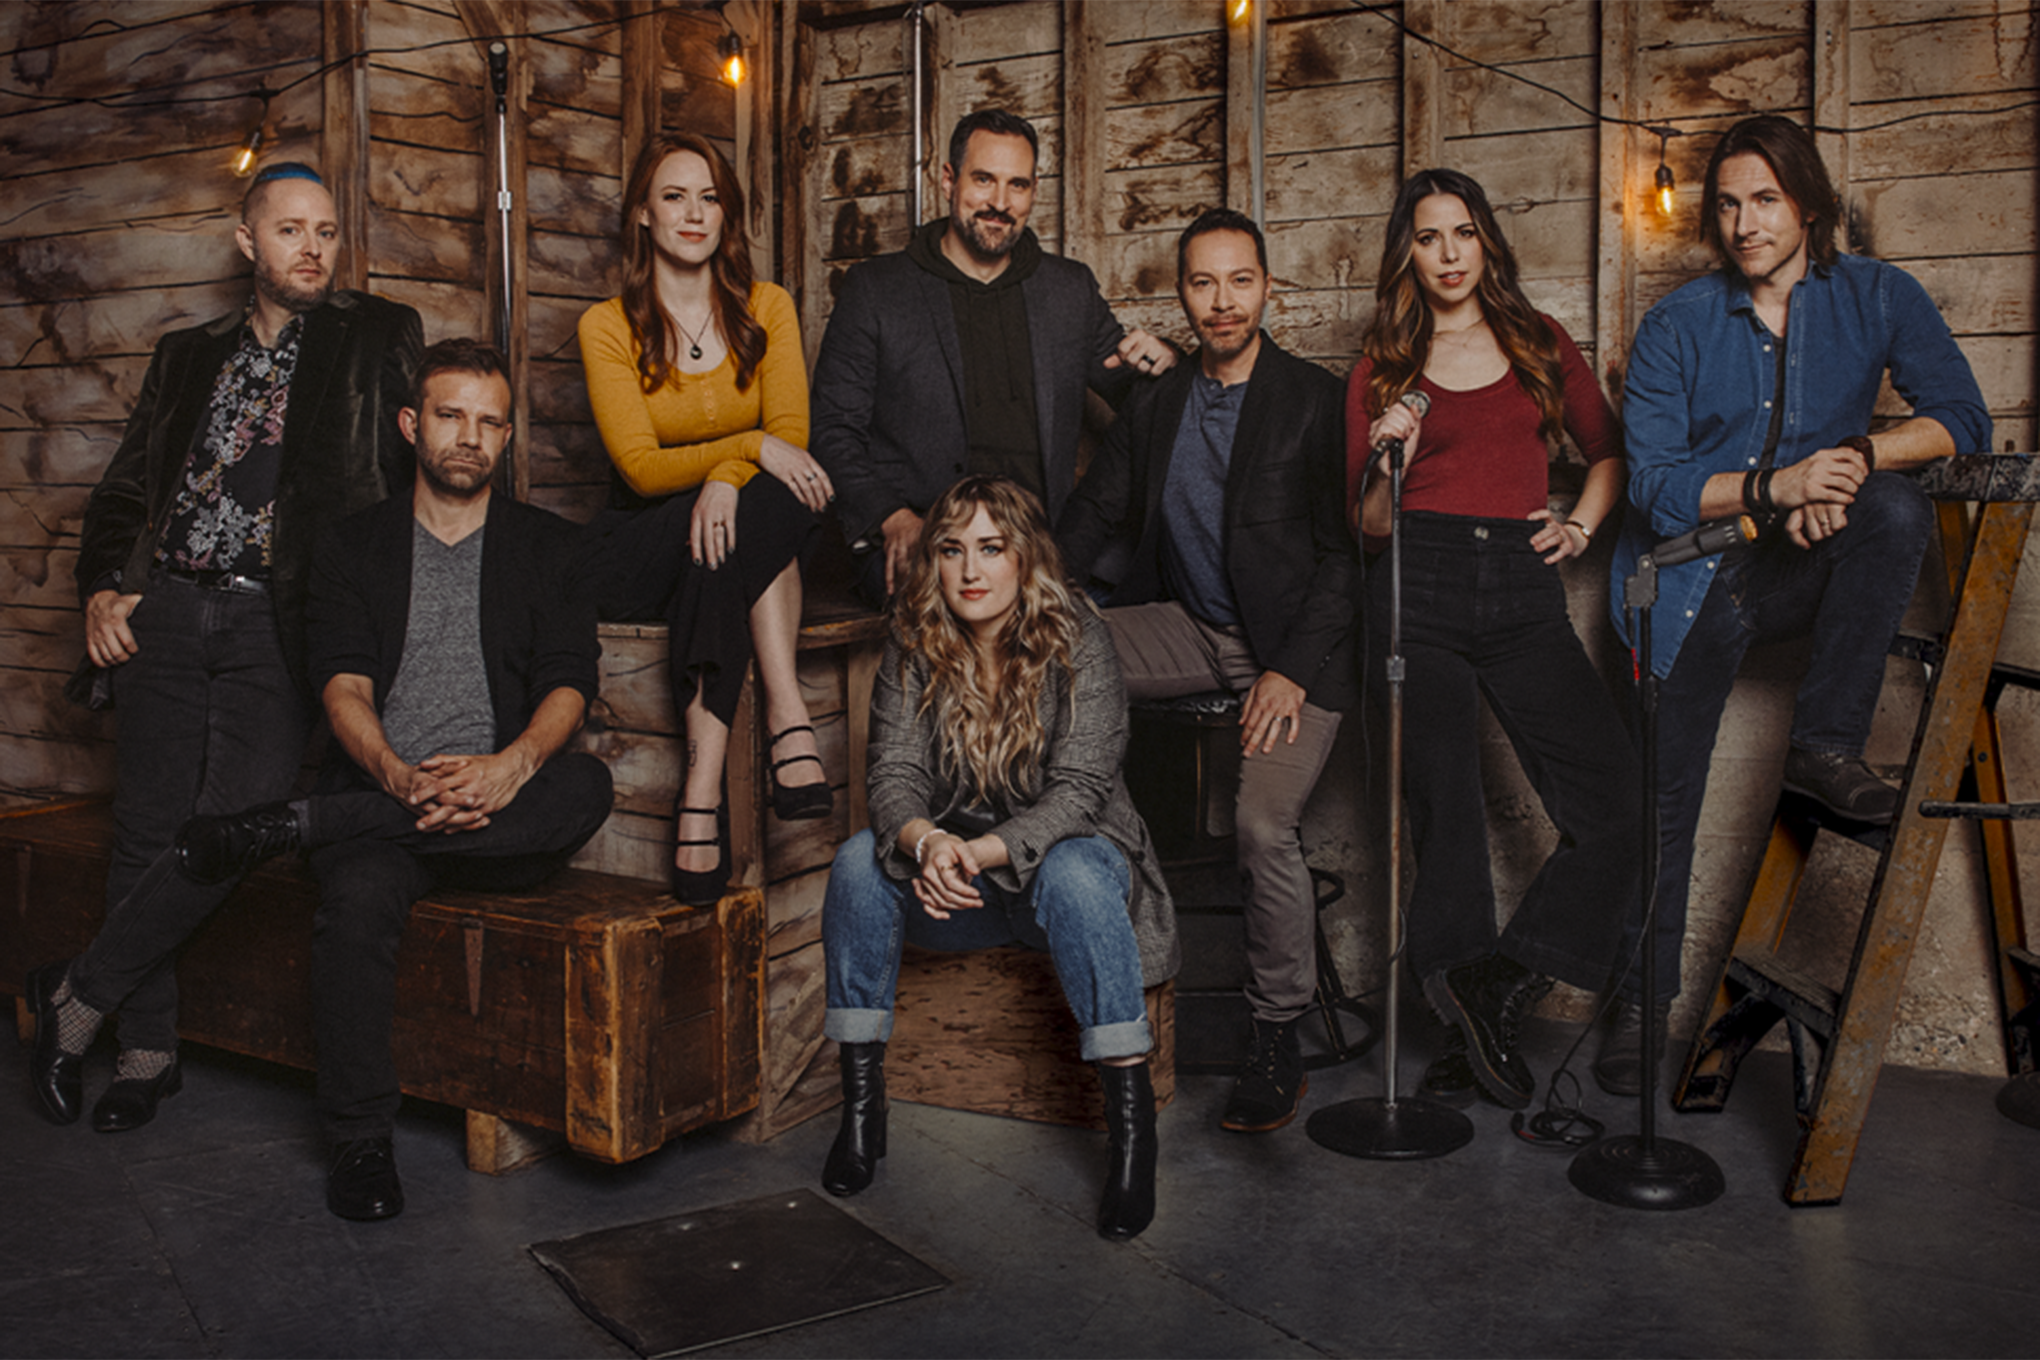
<point>454,793</point>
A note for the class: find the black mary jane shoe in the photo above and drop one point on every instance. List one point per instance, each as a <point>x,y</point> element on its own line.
<point>58,1077</point>
<point>362,1184</point>
<point>799,802</point>
<point>131,1101</point>
<point>704,887</point>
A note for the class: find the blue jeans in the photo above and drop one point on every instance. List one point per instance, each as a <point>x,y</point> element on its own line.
<point>1849,592</point>
<point>1076,911</point>
<point>210,722</point>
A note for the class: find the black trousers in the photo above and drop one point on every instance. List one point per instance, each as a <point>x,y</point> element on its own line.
<point>647,573</point>
<point>1484,616</point>
<point>372,863</point>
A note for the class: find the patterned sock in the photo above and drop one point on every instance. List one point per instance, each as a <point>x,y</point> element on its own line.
<point>142,1064</point>
<point>77,1022</point>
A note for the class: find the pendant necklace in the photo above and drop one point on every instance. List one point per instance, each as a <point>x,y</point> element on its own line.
<point>694,341</point>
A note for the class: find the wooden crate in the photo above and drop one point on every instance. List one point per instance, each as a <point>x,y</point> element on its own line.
<point>990,1031</point>
<point>594,1006</point>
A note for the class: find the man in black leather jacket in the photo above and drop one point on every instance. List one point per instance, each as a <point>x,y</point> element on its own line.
<point>252,431</point>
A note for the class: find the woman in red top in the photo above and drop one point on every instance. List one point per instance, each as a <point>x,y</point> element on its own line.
<point>1484,614</point>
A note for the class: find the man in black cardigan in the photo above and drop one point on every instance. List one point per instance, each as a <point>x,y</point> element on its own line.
<point>1226,479</point>
<point>969,351</point>
<point>453,645</point>
<point>252,431</point>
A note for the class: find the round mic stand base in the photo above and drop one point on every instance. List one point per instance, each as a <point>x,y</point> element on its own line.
<point>1635,1173</point>
<point>1646,1171</point>
<point>1405,1130</point>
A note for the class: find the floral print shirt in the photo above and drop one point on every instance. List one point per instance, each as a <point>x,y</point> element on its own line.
<point>224,516</point>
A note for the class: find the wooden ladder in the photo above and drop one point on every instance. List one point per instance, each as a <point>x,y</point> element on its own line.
<point>1838,1038</point>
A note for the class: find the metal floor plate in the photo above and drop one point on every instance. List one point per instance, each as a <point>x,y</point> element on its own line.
<point>741,1270</point>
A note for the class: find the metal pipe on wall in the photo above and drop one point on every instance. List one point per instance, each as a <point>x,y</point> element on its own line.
<point>918,42</point>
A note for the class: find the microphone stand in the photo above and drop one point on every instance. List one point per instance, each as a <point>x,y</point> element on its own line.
<point>1645,1171</point>
<point>1392,1128</point>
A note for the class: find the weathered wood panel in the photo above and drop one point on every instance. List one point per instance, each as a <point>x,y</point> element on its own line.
<point>1959,54</point>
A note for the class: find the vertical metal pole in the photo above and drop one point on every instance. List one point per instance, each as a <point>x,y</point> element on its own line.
<point>499,77</point>
<point>918,41</point>
<point>1258,182</point>
<point>1392,1029</point>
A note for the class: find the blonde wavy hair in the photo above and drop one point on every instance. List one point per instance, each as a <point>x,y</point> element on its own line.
<point>987,707</point>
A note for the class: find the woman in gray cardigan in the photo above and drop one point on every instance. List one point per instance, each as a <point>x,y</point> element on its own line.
<point>998,817</point>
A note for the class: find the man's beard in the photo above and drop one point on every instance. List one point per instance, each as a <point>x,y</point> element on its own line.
<point>281,288</point>
<point>1242,337</point>
<point>463,481</point>
<point>972,232</point>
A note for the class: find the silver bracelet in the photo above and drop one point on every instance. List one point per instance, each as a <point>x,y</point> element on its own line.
<point>931,831</point>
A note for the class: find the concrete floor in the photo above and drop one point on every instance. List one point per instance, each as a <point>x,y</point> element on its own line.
<point>205,1234</point>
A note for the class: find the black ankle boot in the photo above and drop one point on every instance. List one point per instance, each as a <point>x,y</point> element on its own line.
<point>1129,1202</point>
<point>1487,999</point>
<point>860,1142</point>
<point>215,849</point>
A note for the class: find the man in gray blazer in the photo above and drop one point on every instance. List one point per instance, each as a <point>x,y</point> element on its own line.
<point>969,351</point>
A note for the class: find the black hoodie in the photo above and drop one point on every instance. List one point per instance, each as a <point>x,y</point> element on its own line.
<point>998,357</point>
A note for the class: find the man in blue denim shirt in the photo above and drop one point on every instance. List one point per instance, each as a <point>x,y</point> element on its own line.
<point>1846,538</point>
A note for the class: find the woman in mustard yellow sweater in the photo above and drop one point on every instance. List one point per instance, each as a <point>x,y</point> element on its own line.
<point>698,385</point>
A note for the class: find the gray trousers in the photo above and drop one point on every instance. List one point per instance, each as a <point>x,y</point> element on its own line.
<point>1166,652</point>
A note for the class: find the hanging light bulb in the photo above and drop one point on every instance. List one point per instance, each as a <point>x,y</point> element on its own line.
<point>1238,10</point>
<point>244,159</point>
<point>730,52</point>
<point>1666,200</point>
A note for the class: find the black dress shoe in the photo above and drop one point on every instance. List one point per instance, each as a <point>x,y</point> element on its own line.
<point>215,849</point>
<point>704,887</point>
<point>58,1077</point>
<point>131,1101</point>
<point>799,802</point>
<point>363,1183</point>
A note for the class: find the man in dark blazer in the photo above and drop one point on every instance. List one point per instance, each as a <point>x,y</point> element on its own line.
<point>969,351</point>
<point>1226,479</point>
<point>251,432</point>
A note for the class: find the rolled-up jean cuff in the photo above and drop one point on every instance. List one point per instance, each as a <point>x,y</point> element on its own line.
<point>1126,1039</point>
<point>847,1026</point>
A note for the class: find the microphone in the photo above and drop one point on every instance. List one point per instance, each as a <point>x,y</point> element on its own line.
<point>1417,402</point>
<point>1705,541</point>
<point>499,67</point>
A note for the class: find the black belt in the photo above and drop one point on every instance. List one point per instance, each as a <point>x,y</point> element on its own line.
<point>217,580</point>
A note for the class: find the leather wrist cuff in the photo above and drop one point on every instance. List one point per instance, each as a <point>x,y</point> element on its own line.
<point>1861,444</point>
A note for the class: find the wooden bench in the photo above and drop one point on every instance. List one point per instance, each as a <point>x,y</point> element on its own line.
<point>594,1006</point>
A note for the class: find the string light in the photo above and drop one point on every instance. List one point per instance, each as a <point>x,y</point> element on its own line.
<point>244,159</point>
<point>1666,201</point>
<point>1239,10</point>
<point>730,49</point>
